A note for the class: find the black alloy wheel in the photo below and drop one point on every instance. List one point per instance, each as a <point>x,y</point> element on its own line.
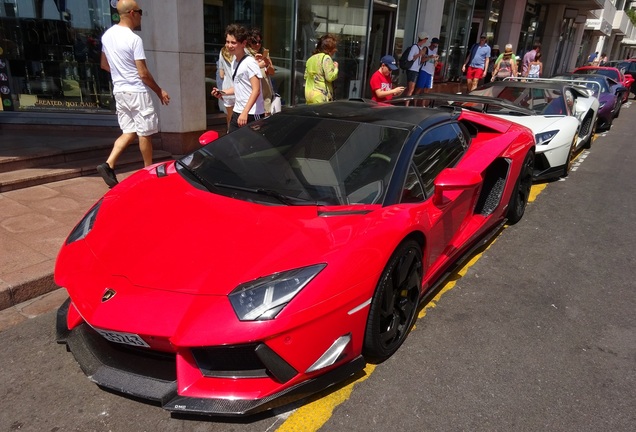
<point>394,302</point>
<point>521,193</point>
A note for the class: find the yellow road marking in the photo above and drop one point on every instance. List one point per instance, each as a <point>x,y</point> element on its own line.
<point>312,416</point>
<point>536,190</point>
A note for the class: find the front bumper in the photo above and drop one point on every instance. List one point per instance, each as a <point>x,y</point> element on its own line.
<point>152,376</point>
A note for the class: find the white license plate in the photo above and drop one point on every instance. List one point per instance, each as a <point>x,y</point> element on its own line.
<point>123,338</point>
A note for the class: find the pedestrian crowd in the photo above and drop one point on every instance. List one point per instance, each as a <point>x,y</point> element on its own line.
<point>245,70</point>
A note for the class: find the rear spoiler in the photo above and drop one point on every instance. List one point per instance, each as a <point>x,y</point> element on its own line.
<point>462,101</point>
<point>581,86</point>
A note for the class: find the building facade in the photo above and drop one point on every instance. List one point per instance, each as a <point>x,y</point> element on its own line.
<point>50,49</point>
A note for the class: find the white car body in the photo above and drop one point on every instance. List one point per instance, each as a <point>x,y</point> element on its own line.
<point>558,134</point>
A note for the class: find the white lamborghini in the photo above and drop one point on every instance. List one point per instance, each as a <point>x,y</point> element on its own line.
<point>562,116</point>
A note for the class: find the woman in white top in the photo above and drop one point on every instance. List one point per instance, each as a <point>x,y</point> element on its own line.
<point>535,68</point>
<point>225,72</point>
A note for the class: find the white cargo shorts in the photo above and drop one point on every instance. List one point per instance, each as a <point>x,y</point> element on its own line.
<point>136,113</point>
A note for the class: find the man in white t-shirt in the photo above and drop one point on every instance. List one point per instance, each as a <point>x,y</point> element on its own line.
<point>248,100</point>
<point>416,52</point>
<point>124,57</point>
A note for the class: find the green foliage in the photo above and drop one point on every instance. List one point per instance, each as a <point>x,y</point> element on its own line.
<point>631,13</point>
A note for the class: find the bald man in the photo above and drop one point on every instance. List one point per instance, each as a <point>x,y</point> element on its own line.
<point>124,57</point>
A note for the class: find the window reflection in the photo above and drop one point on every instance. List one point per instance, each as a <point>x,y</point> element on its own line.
<point>51,51</point>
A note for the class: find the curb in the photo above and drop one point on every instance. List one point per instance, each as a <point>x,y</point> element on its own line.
<point>13,295</point>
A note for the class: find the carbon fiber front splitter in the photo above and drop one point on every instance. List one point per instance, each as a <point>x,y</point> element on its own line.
<point>154,378</point>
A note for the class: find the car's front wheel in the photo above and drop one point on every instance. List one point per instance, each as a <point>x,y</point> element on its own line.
<point>587,129</point>
<point>394,302</point>
<point>521,194</point>
<point>570,160</point>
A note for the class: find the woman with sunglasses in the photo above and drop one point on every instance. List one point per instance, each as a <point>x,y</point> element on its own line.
<point>256,50</point>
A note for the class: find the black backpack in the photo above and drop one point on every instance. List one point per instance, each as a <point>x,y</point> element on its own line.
<point>404,62</point>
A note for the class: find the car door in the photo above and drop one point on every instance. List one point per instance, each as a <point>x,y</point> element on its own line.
<point>439,148</point>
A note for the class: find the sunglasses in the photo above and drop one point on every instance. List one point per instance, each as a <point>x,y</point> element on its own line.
<point>139,11</point>
<point>256,41</point>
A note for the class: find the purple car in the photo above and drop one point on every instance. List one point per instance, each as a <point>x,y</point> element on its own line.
<point>609,98</point>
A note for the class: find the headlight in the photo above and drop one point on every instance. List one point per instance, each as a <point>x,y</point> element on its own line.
<point>83,228</point>
<point>264,298</point>
<point>601,105</point>
<point>544,138</point>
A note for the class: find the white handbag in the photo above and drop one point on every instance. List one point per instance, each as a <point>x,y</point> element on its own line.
<point>276,103</point>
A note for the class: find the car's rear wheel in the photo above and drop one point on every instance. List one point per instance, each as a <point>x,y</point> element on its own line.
<point>394,302</point>
<point>521,193</point>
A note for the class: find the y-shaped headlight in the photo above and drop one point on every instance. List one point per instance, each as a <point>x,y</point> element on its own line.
<point>264,298</point>
<point>85,225</point>
<point>544,138</point>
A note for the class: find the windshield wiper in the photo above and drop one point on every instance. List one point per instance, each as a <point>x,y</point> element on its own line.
<point>201,180</point>
<point>285,199</point>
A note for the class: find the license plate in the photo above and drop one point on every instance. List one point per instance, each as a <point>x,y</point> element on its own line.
<point>123,338</point>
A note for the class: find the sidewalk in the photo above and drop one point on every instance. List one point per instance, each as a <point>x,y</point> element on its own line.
<point>34,222</point>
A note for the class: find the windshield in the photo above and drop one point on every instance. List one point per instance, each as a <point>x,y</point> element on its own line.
<point>299,160</point>
<point>588,81</point>
<point>613,74</point>
<point>543,101</point>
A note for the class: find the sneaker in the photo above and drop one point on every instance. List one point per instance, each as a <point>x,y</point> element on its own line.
<point>108,174</point>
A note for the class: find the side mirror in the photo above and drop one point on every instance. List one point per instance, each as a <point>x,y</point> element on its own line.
<point>452,179</point>
<point>207,137</point>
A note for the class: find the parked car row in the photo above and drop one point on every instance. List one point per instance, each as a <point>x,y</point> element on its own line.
<point>626,67</point>
<point>303,244</point>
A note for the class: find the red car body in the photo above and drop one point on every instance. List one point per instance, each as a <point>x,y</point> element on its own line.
<point>612,72</point>
<point>153,269</point>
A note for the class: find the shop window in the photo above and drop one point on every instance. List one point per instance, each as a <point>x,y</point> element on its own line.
<point>51,56</point>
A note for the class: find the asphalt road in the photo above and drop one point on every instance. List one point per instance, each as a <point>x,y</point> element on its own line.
<point>539,334</point>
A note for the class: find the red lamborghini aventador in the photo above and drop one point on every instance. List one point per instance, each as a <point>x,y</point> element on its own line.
<point>279,259</point>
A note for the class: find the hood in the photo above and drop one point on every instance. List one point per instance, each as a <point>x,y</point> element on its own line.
<point>162,233</point>
<point>537,123</point>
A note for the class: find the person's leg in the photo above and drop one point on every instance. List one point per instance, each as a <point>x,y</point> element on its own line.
<point>229,109</point>
<point>120,145</point>
<point>411,78</point>
<point>145,146</point>
<point>410,87</point>
<point>418,90</point>
<point>234,122</point>
<point>107,170</point>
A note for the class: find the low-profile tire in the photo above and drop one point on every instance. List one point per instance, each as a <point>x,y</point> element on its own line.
<point>570,160</point>
<point>394,304</point>
<point>589,128</point>
<point>521,193</point>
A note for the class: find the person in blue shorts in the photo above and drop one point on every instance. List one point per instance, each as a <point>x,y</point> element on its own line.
<point>424,82</point>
